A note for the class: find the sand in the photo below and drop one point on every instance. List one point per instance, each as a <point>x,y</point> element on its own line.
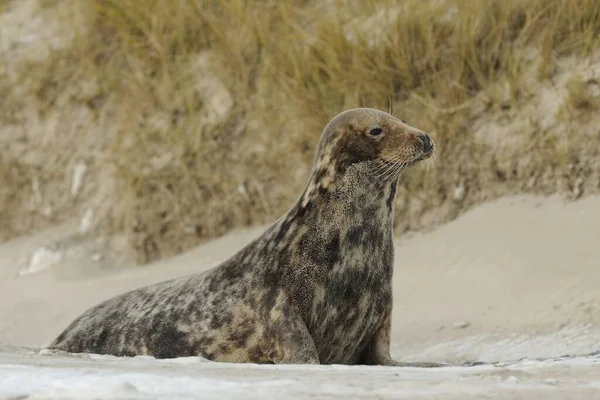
<point>518,278</point>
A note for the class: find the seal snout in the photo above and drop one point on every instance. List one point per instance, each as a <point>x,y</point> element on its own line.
<point>427,142</point>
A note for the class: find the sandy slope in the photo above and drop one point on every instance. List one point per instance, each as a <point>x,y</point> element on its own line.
<point>516,278</point>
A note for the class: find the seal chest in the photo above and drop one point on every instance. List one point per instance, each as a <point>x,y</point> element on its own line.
<point>315,287</point>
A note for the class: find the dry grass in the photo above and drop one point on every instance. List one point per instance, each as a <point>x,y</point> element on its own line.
<point>579,94</point>
<point>188,169</point>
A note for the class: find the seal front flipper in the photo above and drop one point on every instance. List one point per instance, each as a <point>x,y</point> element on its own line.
<point>377,351</point>
<point>292,339</point>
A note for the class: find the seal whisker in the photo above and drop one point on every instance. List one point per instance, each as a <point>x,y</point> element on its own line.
<point>370,112</point>
<point>394,169</point>
<point>403,167</point>
<point>389,172</point>
<point>430,162</point>
<point>389,166</point>
<point>398,170</point>
<point>382,166</point>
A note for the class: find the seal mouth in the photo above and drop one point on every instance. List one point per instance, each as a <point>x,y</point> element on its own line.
<point>425,154</point>
<point>417,160</point>
<point>427,148</point>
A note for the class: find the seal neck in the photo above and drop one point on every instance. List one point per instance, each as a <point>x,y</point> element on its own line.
<point>346,194</point>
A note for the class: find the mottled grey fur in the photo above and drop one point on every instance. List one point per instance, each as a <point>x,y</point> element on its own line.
<point>314,288</point>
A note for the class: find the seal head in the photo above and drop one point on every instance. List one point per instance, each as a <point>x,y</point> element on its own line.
<point>367,135</point>
<point>370,143</point>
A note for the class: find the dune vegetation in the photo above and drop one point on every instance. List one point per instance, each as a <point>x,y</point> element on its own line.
<point>195,117</point>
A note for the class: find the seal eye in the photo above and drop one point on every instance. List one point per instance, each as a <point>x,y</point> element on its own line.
<point>376,131</point>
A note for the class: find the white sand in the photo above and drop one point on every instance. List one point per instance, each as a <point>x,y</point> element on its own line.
<point>517,278</point>
<point>85,377</point>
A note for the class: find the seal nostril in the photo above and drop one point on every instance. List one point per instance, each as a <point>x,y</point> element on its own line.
<point>427,142</point>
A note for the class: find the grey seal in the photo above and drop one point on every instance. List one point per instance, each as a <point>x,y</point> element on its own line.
<point>314,288</point>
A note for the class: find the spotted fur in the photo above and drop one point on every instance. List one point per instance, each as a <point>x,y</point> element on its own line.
<point>315,287</point>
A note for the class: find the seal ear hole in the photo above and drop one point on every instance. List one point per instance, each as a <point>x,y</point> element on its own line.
<point>376,132</point>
